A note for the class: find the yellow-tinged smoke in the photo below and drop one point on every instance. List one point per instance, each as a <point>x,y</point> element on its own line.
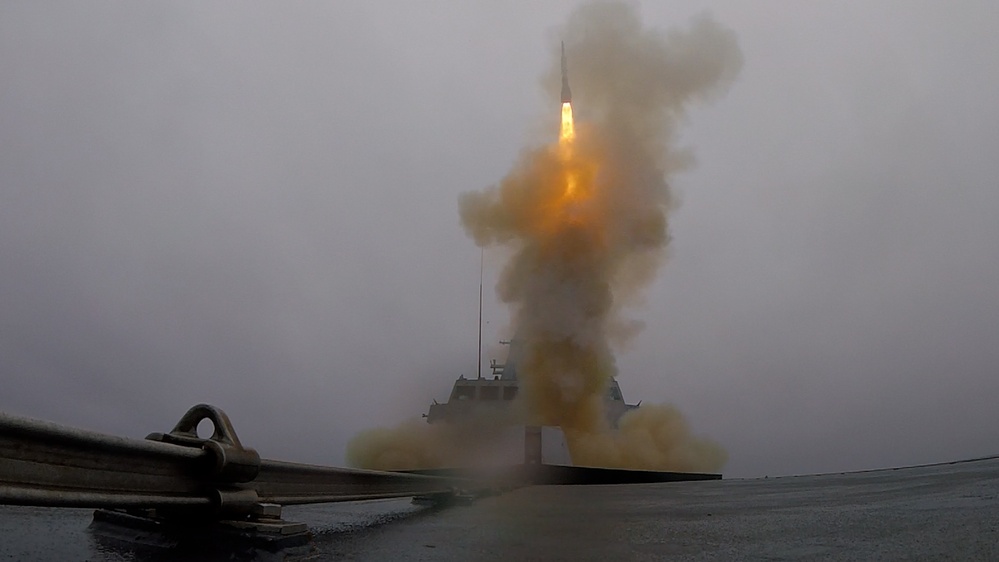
<point>653,437</point>
<point>414,444</point>
<point>587,220</point>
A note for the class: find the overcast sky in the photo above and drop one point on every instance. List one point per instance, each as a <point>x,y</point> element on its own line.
<point>256,206</point>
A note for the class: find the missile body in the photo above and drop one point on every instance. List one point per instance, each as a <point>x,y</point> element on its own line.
<point>566,92</point>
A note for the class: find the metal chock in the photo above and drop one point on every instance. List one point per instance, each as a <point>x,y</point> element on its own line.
<point>233,462</point>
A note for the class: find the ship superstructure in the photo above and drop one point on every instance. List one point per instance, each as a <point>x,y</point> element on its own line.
<point>472,396</point>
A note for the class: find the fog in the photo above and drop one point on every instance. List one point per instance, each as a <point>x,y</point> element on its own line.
<point>256,207</point>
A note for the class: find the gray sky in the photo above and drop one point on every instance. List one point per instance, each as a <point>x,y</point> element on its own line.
<point>256,207</point>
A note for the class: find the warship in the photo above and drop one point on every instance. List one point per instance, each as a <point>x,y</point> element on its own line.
<point>495,393</point>
<point>531,454</point>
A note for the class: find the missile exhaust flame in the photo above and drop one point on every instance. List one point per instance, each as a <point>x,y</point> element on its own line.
<point>567,132</point>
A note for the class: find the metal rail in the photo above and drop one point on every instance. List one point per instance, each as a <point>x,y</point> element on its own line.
<point>45,464</point>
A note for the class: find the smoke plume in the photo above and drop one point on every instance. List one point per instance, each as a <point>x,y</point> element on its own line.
<point>581,254</point>
<point>586,220</point>
<point>414,444</point>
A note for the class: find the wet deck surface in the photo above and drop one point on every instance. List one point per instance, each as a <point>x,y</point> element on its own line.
<point>945,512</point>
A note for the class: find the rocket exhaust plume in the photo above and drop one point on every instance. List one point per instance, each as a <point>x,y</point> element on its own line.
<point>587,220</point>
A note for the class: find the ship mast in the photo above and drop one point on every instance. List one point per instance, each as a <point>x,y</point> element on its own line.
<point>479,363</point>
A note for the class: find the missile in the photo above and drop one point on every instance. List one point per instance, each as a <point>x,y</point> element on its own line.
<point>566,92</point>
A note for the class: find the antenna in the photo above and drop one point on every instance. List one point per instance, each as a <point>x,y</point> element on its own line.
<point>479,364</point>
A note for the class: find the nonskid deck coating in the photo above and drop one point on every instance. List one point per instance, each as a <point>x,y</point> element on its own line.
<point>940,512</point>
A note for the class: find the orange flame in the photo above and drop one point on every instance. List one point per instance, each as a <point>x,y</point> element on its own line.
<point>567,134</point>
<point>568,131</point>
<point>566,138</point>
